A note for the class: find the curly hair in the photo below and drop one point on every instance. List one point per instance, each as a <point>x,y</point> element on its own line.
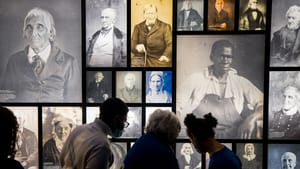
<point>201,128</point>
<point>9,128</point>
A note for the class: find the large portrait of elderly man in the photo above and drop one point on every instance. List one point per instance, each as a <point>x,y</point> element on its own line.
<point>106,38</point>
<point>285,39</point>
<point>40,51</point>
<point>224,75</point>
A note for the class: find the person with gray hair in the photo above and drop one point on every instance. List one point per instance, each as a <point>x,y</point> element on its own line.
<point>252,18</point>
<point>154,148</point>
<point>285,44</point>
<point>108,46</point>
<point>288,160</point>
<point>285,123</point>
<point>130,93</point>
<point>42,72</point>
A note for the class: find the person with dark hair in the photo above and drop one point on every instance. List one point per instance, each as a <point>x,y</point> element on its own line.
<point>232,99</point>
<point>153,149</point>
<point>202,135</point>
<point>9,128</point>
<point>88,146</point>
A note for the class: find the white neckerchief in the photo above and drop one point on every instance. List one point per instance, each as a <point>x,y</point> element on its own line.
<point>44,54</point>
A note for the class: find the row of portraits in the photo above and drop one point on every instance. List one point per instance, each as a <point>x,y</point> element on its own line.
<point>58,122</point>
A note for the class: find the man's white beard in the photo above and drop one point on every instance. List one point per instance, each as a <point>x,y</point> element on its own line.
<point>293,26</point>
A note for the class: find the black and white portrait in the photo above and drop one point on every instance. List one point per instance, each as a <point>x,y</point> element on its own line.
<point>190,15</point>
<point>27,152</point>
<point>40,51</point>
<point>159,87</point>
<point>98,86</point>
<point>283,156</point>
<point>284,100</point>
<point>151,33</point>
<point>58,122</point>
<point>250,154</point>
<point>134,118</point>
<point>222,74</point>
<point>252,15</point>
<point>187,156</point>
<point>285,42</point>
<point>106,38</point>
<point>129,86</point>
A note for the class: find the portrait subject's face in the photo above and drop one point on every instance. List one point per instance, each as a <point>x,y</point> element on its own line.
<point>288,161</point>
<point>219,5</point>
<point>293,20</point>
<point>62,130</point>
<point>290,99</point>
<point>223,59</point>
<point>187,149</point>
<point>155,83</point>
<point>129,81</point>
<point>107,19</point>
<point>36,33</point>
<point>99,77</point>
<point>150,15</point>
<point>250,150</point>
<point>253,4</point>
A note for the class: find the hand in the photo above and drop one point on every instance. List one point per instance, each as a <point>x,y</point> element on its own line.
<point>247,127</point>
<point>194,23</point>
<point>140,48</point>
<point>223,25</point>
<point>105,96</point>
<point>164,59</point>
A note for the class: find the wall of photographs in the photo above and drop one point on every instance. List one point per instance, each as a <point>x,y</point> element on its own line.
<point>166,64</point>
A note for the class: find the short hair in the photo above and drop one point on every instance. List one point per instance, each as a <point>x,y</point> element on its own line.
<point>147,6</point>
<point>163,124</point>
<point>293,88</point>
<point>9,128</point>
<point>112,11</point>
<point>47,18</point>
<point>98,73</point>
<point>60,118</point>
<point>111,108</point>
<point>219,45</point>
<point>293,9</point>
<point>201,128</point>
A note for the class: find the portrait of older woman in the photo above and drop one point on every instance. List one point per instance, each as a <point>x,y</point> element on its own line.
<point>159,87</point>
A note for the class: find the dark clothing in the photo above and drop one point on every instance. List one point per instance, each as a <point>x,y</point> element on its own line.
<point>58,82</point>
<point>157,41</point>
<point>215,19</point>
<point>249,23</point>
<point>96,92</point>
<point>224,158</point>
<point>193,163</point>
<point>252,164</point>
<point>11,164</point>
<point>184,22</point>
<point>286,126</point>
<point>148,152</point>
<point>51,153</point>
<point>119,48</point>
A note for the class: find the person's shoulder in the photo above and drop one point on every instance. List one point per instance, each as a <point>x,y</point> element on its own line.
<point>120,34</point>
<point>162,23</point>
<point>62,56</point>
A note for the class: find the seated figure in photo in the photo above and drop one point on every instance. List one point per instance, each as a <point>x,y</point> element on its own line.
<point>188,18</point>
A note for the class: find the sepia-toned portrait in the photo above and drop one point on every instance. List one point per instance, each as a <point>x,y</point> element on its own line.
<point>134,118</point>
<point>106,33</point>
<point>220,15</point>
<point>250,154</point>
<point>190,15</point>
<point>222,74</point>
<point>283,156</point>
<point>98,86</point>
<point>159,87</point>
<point>151,33</point>
<point>187,156</point>
<point>58,122</point>
<point>284,102</point>
<point>129,86</point>
<point>40,51</point>
<point>252,15</point>
<point>285,42</point>
<point>27,151</point>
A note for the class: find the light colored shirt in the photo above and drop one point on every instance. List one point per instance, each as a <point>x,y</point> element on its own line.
<point>44,54</point>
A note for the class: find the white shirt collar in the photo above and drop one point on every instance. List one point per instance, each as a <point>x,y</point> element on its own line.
<point>43,54</point>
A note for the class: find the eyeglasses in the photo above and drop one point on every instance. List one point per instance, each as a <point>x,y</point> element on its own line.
<point>126,124</point>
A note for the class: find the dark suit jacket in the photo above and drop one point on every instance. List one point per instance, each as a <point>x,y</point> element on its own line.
<point>60,80</point>
<point>96,93</point>
<point>193,16</point>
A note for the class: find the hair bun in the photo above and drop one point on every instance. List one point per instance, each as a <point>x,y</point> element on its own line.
<point>211,120</point>
<point>189,120</point>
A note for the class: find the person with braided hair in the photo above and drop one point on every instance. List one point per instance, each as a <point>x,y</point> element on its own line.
<point>9,128</point>
<point>202,135</point>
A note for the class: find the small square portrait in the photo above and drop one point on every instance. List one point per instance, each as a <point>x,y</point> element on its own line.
<point>250,154</point>
<point>150,110</point>
<point>58,123</point>
<point>106,38</point>
<point>129,86</point>
<point>92,113</point>
<point>284,39</point>
<point>134,118</point>
<point>27,149</point>
<point>119,150</point>
<point>151,33</point>
<point>220,15</point>
<point>98,86</point>
<point>284,102</point>
<point>159,87</point>
<point>40,51</point>
<point>252,15</point>
<point>187,156</point>
<point>283,156</point>
<point>189,15</point>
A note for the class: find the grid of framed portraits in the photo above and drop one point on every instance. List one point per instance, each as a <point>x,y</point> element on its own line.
<point>171,66</point>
